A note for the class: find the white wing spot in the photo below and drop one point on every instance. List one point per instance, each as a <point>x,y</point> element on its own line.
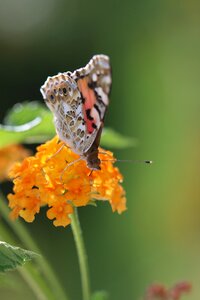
<point>94,77</point>
<point>103,95</point>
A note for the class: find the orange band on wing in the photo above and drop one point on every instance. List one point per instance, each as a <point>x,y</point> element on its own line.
<point>89,102</point>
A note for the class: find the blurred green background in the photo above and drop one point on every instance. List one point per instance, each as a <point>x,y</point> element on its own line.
<point>154,47</point>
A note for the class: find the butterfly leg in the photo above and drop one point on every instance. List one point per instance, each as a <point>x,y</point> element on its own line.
<point>112,159</point>
<point>58,151</point>
<point>90,174</point>
<point>101,152</point>
<point>105,153</point>
<point>68,165</point>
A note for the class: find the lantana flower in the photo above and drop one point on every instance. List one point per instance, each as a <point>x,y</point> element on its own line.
<point>9,155</point>
<point>159,291</point>
<point>43,179</point>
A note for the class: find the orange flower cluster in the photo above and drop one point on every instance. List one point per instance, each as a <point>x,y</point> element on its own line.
<point>40,180</point>
<point>10,155</point>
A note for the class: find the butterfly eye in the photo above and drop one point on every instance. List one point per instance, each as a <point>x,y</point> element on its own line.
<point>64,90</point>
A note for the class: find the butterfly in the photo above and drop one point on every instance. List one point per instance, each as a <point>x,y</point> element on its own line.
<point>78,101</point>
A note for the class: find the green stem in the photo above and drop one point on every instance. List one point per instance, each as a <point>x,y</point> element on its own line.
<point>20,230</point>
<point>82,257</point>
<point>34,284</point>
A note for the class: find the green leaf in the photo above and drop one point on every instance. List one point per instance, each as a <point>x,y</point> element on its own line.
<point>100,295</point>
<point>29,122</point>
<point>32,122</point>
<point>11,257</point>
<point>22,113</point>
<point>113,139</point>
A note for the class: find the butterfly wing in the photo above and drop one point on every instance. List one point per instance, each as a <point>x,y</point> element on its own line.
<point>79,101</point>
<point>63,98</point>
<point>94,84</point>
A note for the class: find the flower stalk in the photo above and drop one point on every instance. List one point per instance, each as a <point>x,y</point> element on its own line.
<point>82,256</point>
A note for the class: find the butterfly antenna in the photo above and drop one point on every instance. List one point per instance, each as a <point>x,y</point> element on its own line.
<point>136,161</point>
<point>129,160</point>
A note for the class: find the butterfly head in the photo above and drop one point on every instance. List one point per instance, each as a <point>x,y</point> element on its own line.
<point>92,160</point>
<point>94,164</point>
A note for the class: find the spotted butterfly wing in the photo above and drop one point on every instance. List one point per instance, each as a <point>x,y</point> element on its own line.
<point>78,101</point>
